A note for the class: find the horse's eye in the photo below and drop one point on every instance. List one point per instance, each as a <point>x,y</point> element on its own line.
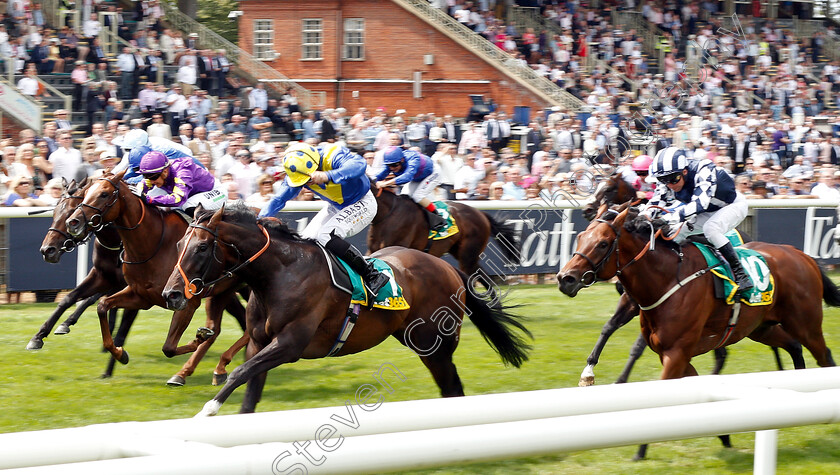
<point>201,248</point>
<point>603,244</point>
<point>104,194</point>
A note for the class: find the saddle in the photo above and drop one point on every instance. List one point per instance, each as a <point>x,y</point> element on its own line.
<point>347,280</point>
<point>753,263</point>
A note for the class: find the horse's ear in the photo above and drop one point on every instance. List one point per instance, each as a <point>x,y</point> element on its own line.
<point>217,217</point>
<point>64,182</point>
<point>120,175</point>
<point>198,211</point>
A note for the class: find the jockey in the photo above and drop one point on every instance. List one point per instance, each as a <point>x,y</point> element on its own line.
<point>180,183</point>
<point>337,175</point>
<point>641,167</point>
<point>707,195</point>
<point>419,174</point>
<point>137,143</point>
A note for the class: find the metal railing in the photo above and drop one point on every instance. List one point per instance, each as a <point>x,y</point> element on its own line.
<point>10,81</point>
<point>248,67</point>
<point>503,61</point>
<point>602,64</point>
<point>807,28</point>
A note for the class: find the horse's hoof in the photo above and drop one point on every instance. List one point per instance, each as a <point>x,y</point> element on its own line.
<point>586,381</point>
<point>123,357</point>
<point>210,409</point>
<point>219,379</point>
<point>62,329</point>
<point>35,344</point>
<point>106,375</point>
<point>204,334</point>
<point>176,381</point>
<point>637,458</point>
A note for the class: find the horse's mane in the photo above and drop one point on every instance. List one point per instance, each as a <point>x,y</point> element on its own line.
<point>640,227</point>
<point>240,214</point>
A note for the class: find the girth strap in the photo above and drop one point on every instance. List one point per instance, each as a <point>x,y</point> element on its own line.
<point>675,288</point>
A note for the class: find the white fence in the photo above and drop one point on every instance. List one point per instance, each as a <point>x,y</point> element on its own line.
<point>373,437</point>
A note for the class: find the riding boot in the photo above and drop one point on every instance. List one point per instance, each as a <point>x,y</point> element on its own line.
<point>374,280</point>
<point>436,221</point>
<point>741,278</point>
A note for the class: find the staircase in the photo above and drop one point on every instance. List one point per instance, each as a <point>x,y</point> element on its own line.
<point>489,52</point>
<point>249,68</point>
<point>647,32</point>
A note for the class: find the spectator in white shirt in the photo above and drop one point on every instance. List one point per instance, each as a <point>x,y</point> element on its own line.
<point>65,160</point>
<point>449,165</point>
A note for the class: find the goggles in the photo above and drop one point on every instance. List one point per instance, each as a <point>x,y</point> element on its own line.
<point>671,179</point>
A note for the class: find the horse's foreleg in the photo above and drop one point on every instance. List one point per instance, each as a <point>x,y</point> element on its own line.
<point>119,339</point>
<point>202,343</point>
<point>636,352</point>
<point>79,293</point>
<point>64,327</point>
<point>720,360</point>
<point>220,373</point>
<point>253,393</point>
<point>624,312</point>
<point>125,298</point>
<point>180,321</point>
<point>284,348</point>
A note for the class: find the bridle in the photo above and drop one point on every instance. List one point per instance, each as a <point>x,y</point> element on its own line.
<point>71,242</point>
<point>196,286</point>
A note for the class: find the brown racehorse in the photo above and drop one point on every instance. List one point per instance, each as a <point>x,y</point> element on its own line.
<point>616,190</point>
<point>690,321</point>
<point>295,312</point>
<point>104,278</point>
<point>399,221</point>
<point>149,236</point>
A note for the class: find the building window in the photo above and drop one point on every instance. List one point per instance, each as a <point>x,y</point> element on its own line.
<point>354,39</point>
<point>313,38</point>
<point>264,40</point>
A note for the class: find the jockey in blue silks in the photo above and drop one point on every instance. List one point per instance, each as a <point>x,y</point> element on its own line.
<point>707,197</point>
<point>419,174</point>
<point>337,175</point>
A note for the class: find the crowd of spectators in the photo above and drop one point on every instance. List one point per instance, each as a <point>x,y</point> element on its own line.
<point>787,146</point>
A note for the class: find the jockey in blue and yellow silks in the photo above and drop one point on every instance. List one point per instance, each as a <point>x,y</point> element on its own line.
<point>337,175</point>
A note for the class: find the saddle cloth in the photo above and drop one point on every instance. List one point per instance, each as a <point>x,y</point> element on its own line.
<point>346,279</point>
<point>450,228</point>
<point>752,262</point>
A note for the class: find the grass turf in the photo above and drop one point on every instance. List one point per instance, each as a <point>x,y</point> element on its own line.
<point>59,386</point>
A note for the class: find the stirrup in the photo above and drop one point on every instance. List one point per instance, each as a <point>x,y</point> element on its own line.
<point>375,283</point>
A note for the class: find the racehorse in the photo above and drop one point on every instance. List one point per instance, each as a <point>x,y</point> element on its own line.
<point>681,319</point>
<point>399,221</point>
<point>104,278</point>
<point>295,312</point>
<point>149,236</point>
<point>617,190</point>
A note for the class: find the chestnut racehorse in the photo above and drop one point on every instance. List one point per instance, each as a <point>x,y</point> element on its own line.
<point>149,236</point>
<point>295,312</point>
<point>690,321</point>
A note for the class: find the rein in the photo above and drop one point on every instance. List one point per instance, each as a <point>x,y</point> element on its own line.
<point>194,287</point>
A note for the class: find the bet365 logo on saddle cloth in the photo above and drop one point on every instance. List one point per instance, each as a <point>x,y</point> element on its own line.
<point>450,228</point>
<point>754,264</point>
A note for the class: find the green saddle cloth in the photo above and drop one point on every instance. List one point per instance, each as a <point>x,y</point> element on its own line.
<point>389,298</point>
<point>752,262</point>
<point>450,228</point>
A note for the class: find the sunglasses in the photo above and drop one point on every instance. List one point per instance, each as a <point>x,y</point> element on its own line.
<point>152,176</point>
<point>394,165</point>
<point>672,179</point>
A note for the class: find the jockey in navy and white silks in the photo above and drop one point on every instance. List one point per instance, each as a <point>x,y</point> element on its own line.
<point>137,143</point>
<point>337,175</point>
<point>419,175</point>
<point>178,183</point>
<point>703,194</point>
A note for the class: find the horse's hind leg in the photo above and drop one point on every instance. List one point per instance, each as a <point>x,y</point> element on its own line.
<point>635,353</point>
<point>626,310</point>
<point>775,337</point>
<point>253,393</point>
<point>443,370</point>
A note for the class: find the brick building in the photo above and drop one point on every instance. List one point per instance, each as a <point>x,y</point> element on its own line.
<point>370,53</point>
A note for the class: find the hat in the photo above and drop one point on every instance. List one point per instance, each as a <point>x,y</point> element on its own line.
<point>193,35</point>
<point>79,63</point>
<point>400,111</point>
<point>136,121</point>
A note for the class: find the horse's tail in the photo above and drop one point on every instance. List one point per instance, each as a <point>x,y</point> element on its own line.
<point>831,294</point>
<point>496,324</point>
<point>505,235</point>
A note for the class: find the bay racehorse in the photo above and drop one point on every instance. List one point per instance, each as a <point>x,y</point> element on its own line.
<point>399,221</point>
<point>149,236</point>
<point>104,278</point>
<point>690,321</point>
<point>616,190</point>
<point>295,312</point>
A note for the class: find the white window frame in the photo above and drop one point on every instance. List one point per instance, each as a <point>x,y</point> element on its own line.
<point>353,48</point>
<point>264,39</point>
<point>312,50</point>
